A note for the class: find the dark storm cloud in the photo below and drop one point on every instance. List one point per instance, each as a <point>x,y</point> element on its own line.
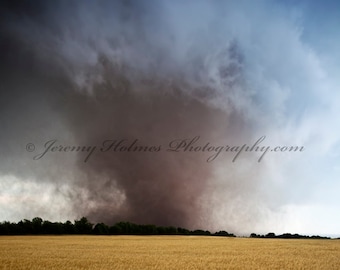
<point>130,87</point>
<point>83,72</point>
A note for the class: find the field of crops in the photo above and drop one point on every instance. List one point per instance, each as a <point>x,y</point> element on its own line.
<point>165,252</point>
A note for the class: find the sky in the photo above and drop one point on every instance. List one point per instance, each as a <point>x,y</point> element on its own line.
<point>172,113</point>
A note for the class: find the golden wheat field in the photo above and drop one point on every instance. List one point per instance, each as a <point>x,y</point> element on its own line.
<point>165,252</point>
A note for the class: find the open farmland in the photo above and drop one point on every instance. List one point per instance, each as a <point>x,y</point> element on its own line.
<point>165,252</point>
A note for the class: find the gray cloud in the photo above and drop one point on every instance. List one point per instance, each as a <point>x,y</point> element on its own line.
<point>84,72</point>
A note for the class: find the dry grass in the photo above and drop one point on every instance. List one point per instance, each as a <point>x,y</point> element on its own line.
<point>165,252</point>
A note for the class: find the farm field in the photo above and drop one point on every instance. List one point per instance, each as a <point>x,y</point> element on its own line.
<point>165,252</point>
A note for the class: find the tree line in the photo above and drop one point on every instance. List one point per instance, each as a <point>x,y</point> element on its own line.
<point>39,226</point>
<point>287,236</point>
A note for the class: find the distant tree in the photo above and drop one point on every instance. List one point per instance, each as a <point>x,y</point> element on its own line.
<point>124,227</point>
<point>170,230</point>
<point>270,235</point>
<point>115,230</point>
<point>161,230</point>
<point>147,229</point>
<point>68,227</point>
<point>52,227</point>
<point>6,228</point>
<point>224,233</point>
<point>183,231</point>
<point>83,226</point>
<point>37,225</point>
<point>47,227</point>
<point>200,232</point>
<point>25,227</point>
<point>320,237</point>
<point>59,228</point>
<point>151,229</point>
<point>100,228</point>
<point>286,236</point>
